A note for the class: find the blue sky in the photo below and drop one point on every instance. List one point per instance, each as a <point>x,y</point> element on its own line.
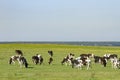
<point>60,20</point>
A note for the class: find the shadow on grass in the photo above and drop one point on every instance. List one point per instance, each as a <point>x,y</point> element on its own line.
<point>30,67</point>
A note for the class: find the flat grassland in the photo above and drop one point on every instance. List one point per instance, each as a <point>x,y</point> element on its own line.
<point>56,71</point>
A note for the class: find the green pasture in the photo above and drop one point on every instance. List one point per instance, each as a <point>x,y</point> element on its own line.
<point>56,71</point>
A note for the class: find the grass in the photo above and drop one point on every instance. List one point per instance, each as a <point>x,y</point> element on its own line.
<point>55,71</point>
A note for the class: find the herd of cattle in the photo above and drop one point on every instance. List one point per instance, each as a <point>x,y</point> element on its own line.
<point>70,59</point>
<point>37,59</point>
<point>86,59</point>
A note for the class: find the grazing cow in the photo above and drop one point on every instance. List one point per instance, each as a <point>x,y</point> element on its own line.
<point>113,59</point>
<point>118,63</point>
<point>23,61</point>
<point>80,62</point>
<point>50,53</point>
<point>102,60</point>
<point>40,58</point>
<point>37,59</point>
<point>19,52</point>
<point>110,56</point>
<point>97,59</point>
<point>13,59</point>
<point>86,62</point>
<point>64,60</point>
<point>76,63</point>
<point>50,60</point>
<point>115,62</point>
<point>67,60</point>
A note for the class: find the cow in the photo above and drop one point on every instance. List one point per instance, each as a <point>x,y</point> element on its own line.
<point>115,62</point>
<point>76,63</point>
<point>80,62</point>
<point>67,60</point>
<point>21,60</point>
<point>102,60</point>
<point>113,59</point>
<point>97,59</point>
<point>108,56</point>
<point>37,59</point>
<point>13,59</point>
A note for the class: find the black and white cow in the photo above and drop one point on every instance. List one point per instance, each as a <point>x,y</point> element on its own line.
<point>76,63</point>
<point>115,62</point>
<point>21,60</point>
<point>80,62</point>
<point>113,59</point>
<point>67,60</point>
<point>102,60</point>
<point>13,59</point>
<point>37,59</point>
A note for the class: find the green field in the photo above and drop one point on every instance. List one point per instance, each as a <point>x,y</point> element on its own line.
<point>55,71</point>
